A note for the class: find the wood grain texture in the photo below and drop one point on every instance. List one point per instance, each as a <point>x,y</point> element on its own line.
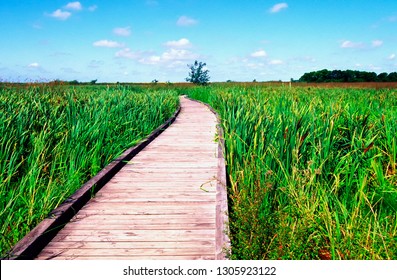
<point>165,203</point>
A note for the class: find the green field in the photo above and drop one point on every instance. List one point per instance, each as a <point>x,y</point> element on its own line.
<point>312,171</point>
<point>54,138</point>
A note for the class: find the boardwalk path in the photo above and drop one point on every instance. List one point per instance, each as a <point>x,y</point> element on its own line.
<point>164,204</point>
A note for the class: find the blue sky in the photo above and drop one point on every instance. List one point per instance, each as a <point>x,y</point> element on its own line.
<point>142,40</point>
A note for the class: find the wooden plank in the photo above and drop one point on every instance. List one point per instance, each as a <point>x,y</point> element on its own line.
<point>101,225</point>
<point>193,251</point>
<point>170,168</point>
<point>172,165</point>
<point>141,219</point>
<point>185,212</point>
<point>198,179</point>
<point>154,200</point>
<point>205,191</point>
<point>156,193</point>
<point>155,236</point>
<point>143,205</point>
<point>73,230</point>
<point>131,245</point>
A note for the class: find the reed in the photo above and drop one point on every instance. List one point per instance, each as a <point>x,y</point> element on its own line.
<point>312,170</point>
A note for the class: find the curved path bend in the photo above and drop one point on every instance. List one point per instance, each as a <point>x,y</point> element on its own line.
<point>168,202</point>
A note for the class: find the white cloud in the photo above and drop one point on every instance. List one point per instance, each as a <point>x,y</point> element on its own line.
<point>176,54</point>
<point>122,31</point>
<point>107,44</point>
<point>151,60</point>
<point>253,65</point>
<point>186,21</point>
<point>181,43</point>
<point>392,56</point>
<point>377,43</point>
<point>259,53</point>
<point>127,53</point>
<point>170,58</point>
<point>61,15</point>
<point>276,62</point>
<point>92,8</point>
<point>34,65</point>
<point>76,6</point>
<point>278,7</point>
<point>351,45</point>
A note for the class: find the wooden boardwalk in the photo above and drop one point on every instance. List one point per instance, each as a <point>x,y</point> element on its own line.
<point>168,202</point>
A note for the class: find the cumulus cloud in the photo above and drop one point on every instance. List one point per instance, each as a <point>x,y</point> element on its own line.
<point>61,15</point>
<point>34,65</point>
<point>122,31</point>
<point>278,7</point>
<point>377,43</point>
<point>151,60</point>
<point>76,6</point>
<point>107,44</point>
<point>392,56</point>
<point>169,58</point>
<point>181,43</point>
<point>128,53</point>
<point>351,45</point>
<point>176,54</point>
<point>259,53</point>
<point>275,62</point>
<point>186,21</point>
<point>253,65</point>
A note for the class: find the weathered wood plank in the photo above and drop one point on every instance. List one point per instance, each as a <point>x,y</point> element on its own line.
<point>192,251</point>
<point>123,225</point>
<point>131,237</point>
<point>130,245</point>
<point>141,219</point>
<point>74,230</point>
<point>156,193</point>
<point>185,212</point>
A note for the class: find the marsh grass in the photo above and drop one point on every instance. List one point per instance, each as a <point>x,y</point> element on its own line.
<point>54,138</point>
<point>312,171</point>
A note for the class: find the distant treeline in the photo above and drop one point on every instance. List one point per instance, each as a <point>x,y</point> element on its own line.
<point>347,76</point>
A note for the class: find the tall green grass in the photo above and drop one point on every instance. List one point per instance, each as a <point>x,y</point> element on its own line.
<point>53,139</point>
<point>312,171</point>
